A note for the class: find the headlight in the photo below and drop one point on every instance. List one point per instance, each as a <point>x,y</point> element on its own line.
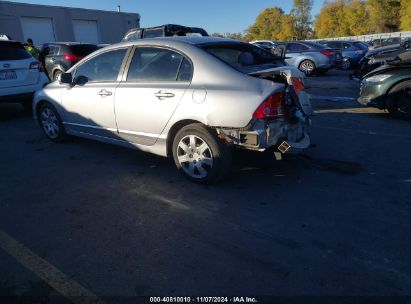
<point>377,78</point>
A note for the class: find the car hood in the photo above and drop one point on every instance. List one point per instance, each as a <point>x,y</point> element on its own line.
<point>389,68</point>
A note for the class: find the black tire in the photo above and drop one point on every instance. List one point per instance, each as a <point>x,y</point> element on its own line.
<point>57,75</point>
<point>346,64</point>
<point>51,123</point>
<point>398,100</point>
<point>307,67</point>
<point>198,167</point>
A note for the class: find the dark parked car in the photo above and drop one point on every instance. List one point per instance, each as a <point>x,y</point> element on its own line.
<point>389,87</point>
<point>58,57</point>
<point>352,51</point>
<point>165,30</point>
<point>381,42</point>
<point>376,57</point>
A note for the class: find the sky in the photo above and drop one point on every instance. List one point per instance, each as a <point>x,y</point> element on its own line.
<point>215,16</point>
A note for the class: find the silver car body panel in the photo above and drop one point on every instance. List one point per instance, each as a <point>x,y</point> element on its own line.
<point>217,96</point>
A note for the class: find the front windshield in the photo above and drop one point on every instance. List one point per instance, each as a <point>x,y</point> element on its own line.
<point>242,55</point>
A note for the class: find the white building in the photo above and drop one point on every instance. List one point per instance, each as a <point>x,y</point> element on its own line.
<point>44,23</point>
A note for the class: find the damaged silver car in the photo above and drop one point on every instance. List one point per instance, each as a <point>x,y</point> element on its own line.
<point>192,99</point>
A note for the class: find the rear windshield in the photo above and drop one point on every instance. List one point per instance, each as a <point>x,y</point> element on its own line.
<point>83,49</point>
<point>13,51</point>
<point>241,55</point>
<point>315,45</point>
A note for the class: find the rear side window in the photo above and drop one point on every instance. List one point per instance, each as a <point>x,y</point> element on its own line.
<point>102,68</point>
<point>296,47</point>
<point>360,46</point>
<point>240,55</point>
<point>346,46</point>
<point>155,64</point>
<point>153,33</point>
<point>334,44</point>
<point>83,50</point>
<point>315,45</point>
<point>13,51</point>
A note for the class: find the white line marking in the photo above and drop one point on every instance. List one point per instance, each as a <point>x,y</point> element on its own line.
<point>50,274</point>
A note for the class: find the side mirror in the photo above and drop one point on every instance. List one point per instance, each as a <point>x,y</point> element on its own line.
<point>80,80</point>
<point>66,78</point>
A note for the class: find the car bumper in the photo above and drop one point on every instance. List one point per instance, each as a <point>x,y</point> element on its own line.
<point>261,136</point>
<point>372,95</point>
<point>16,94</point>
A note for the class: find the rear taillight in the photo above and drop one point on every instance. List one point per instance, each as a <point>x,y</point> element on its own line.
<point>327,53</point>
<point>298,84</point>
<point>272,107</point>
<point>35,65</point>
<point>71,57</point>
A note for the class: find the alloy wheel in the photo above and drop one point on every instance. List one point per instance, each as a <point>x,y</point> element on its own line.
<point>194,156</point>
<point>307,67</point>
<point>49,123</point>
<point>346,64</point>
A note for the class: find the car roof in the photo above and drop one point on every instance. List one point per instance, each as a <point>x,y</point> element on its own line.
<point>68,43</point>
<point>193,40</point>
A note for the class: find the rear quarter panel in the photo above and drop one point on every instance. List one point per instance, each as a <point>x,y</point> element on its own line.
<point>219,95</point>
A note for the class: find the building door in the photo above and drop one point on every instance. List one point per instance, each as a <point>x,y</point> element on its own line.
<point>86,31</point>
<point>41,30</point>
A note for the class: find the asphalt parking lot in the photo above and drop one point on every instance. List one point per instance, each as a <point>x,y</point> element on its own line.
<point>86,218</point>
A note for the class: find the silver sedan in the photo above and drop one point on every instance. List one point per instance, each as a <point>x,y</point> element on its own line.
<point>188,98</point>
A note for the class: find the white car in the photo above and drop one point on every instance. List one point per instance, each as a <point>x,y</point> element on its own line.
<point>20,75</point>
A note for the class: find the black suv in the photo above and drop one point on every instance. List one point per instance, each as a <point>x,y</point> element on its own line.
<point>165,30</point>
<point>58,57</point>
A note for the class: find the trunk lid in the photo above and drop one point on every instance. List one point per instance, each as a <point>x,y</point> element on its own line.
<point>15,73</point>
<point>288,75</point>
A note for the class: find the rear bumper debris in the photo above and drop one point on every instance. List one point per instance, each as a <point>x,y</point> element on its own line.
<point>285,136</point>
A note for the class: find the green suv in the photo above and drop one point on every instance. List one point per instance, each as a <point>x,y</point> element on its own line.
<point>389,87</point>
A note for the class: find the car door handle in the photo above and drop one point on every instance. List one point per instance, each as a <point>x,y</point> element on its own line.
<point>104,92</point>
<point>163,95</point>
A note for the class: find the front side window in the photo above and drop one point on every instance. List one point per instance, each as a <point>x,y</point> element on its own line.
<point>155,64</point>
<point>102,68</point>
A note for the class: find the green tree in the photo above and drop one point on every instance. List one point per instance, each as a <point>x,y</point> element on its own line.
<point>405,15</point>
<point>301,13</point>
<point>331,21</point>
<point>384,15</point>
<point>357,17</point>
<point>271,24</point>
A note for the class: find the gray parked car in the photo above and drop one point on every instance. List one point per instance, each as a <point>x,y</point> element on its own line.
<point>189,98</point>
<point>311,57</point>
